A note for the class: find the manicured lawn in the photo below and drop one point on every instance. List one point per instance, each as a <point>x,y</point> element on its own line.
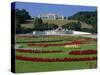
<point>25,66</point>
<point>52,55</point>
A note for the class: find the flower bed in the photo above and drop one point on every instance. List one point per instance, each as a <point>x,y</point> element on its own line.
<point>72,46</point>
<point>38,51</point>
<point>35,59</point>
<point>83,52</point>
<point>69,43</point>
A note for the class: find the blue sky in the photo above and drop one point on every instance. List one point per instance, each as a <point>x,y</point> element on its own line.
<point>35,9</point>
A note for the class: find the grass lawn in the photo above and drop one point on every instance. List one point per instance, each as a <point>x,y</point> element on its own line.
<point>26,66</point>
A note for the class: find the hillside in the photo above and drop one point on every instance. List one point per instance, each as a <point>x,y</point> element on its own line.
<point>89,17</point>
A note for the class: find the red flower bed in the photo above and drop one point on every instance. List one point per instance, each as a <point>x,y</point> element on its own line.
<point>38,51</point>
<point>83,52</point>
<point>35,59</point>
<point>45,45</point>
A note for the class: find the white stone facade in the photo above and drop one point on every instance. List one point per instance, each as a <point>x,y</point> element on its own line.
<point>51,16</point>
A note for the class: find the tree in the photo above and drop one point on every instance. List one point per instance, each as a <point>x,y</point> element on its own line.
<point>38,24</point>
<point>20,17</point>
<point>52,26</point>
<point>73,26</point>
<point>78,26</point>
<point>18,27</point>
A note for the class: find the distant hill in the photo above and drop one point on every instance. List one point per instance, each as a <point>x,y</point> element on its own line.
<point>89,17</point>
<point>86,16</point>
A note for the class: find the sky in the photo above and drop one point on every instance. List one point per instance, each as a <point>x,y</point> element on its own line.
<point>35,9</point>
